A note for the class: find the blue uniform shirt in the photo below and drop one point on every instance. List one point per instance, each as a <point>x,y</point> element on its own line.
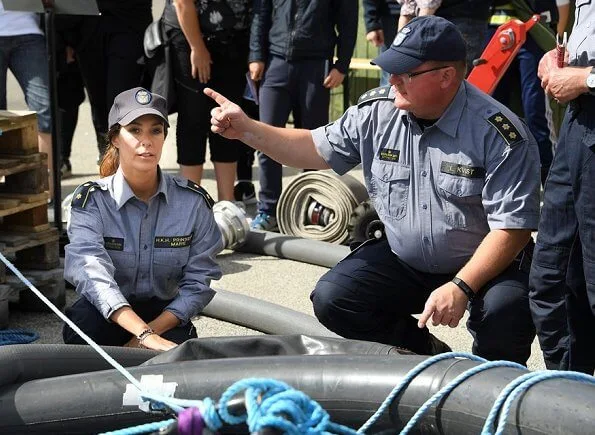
<point>439,191</point>
<point>121,246</point>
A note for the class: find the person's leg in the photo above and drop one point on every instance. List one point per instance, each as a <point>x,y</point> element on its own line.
<point>371,294</point>
<point>533,100</point>
<point>313,98</point>
<point>84,315</point>
<point>5,46</point>
<point>500,318</point>
<point>193,110</point>
<point>28,62</point>
<point>275,105</point>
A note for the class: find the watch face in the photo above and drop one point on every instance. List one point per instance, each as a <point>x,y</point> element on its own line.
<point>591,81</point>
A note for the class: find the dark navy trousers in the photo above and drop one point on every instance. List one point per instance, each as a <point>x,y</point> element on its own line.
<point>84,314</point>
<point>371,294</point>
<point>562,278</point>
<point>289,86</point>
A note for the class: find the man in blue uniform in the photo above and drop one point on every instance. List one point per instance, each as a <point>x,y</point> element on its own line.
<point>563,269</point>
<point>454,176</point>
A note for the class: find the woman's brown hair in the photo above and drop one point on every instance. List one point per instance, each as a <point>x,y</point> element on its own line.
<point>111,158</point>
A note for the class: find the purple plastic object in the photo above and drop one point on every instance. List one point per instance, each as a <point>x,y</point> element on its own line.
<point>190,422</point>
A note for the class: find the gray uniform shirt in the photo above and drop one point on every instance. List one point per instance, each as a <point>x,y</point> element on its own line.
<point>581,45</point>
<point>441,190</point>
<point>121,246</point>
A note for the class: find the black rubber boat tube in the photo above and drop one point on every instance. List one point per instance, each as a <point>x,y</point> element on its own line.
<point>349,387</point>
<point>263,316</point>
<point>293,248</point>
<point>22,362</point>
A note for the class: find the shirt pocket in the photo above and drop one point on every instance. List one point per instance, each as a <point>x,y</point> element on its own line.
<point>392,182</point>
<point>125,266</point>
<point>168,266</point>
<point>463,205</point>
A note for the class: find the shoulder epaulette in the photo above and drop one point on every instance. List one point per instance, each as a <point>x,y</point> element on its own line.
<point>506,128</point>
<point>201,191</point>
<point>381,93</point>
<point>81,194</point>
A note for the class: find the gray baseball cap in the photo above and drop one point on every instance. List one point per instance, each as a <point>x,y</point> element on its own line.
<point>135,102</point>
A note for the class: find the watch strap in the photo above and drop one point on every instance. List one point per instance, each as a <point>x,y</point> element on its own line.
<point>464,287</point>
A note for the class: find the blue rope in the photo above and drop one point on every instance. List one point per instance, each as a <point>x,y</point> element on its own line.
<point>271,403</point>
<point>447,389</point>
<point>408,378</point>
<point>520,385</point>
<point>143,428</point>
<point>17,336</point>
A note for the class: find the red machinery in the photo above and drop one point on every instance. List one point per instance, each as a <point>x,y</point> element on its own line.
<point>499,53</point>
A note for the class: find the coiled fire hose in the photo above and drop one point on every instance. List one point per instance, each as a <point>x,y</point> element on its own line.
<point>318,204</point>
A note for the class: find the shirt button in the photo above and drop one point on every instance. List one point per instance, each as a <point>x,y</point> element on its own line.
<point>145,247</point>
<point>424,173</point>
<point>146,216</point>
<point>425,206</point>
<point>459,192</point>
<point>426,239</point>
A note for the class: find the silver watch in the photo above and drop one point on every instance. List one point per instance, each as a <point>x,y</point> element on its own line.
<point>591,81</point>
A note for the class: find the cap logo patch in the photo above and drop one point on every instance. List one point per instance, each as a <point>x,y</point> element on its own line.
<point>401,36</point>
<point>143,96</point>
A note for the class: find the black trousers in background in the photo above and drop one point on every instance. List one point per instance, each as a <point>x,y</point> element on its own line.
<point>84,314</point>
<point>108,60</point>
<point>371,294</point>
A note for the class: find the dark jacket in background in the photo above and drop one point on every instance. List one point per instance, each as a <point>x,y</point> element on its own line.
<point>374,9</point>
<point>475,9</point>
<point>133,13</point>
<point>304,29</point>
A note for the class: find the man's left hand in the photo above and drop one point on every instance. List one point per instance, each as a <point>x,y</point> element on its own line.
<point>446,306</point>
<point>564,84</point>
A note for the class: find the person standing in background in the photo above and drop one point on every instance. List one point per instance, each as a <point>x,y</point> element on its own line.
<point>108,54</point>
<point>292,45</point>
<point>210,48</point>
<point>381,18</point>
<point>23,51</point>
<point>562,278</point>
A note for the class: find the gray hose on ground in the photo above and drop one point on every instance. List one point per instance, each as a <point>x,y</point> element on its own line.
<point>318,204</point>
<point>263,316</point>
<point>293,248</point>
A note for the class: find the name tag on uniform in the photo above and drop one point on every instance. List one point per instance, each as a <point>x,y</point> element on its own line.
<point>173,241</point>
<point>113,243</point>
<point>462,170</point>
<point>389,155</point>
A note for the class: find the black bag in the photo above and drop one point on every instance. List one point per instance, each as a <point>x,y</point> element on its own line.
<point>154,38</point>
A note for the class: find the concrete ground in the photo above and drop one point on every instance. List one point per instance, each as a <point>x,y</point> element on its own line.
<point>284,282</point>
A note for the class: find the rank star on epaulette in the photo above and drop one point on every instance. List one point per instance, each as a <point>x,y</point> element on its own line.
<point>505,128</point>
<point>381,93</point>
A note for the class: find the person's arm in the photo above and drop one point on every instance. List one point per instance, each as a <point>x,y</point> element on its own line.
<point>427,7</point>
<point>288,146</point>
<point>374,32</point>
<point>446,305</point>
<point>563,15</point>
<point>564,84</point>
<point>259,38</point>
<point>200,58</point>
<point>346,37</point>
<point>194,286</point>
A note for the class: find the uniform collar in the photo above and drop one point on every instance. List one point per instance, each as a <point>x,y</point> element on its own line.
<point>123,192</point>
<point>450,119</point>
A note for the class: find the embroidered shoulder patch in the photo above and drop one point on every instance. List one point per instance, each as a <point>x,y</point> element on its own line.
<point>507,130</point>
<point>81,194</point>
<point>380,93</point>
<point>201,191</point>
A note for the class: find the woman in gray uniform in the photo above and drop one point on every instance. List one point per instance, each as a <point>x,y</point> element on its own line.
<point>142,242</point>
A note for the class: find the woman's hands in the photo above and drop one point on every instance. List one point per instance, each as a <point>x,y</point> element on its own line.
<point>200,62</point>
<point>152,341</point>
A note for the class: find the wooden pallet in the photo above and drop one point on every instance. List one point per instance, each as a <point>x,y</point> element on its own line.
<point>18,132</point>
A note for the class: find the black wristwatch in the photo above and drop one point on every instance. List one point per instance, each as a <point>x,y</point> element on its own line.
<point>591,81</point>
<point>464,287</point>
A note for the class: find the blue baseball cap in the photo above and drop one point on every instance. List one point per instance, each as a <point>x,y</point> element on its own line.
<point>135,102</point>
<point>422,39</point>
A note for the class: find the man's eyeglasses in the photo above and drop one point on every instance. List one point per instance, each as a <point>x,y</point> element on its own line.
<point>410,75</point>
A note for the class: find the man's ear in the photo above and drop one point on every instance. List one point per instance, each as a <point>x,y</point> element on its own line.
<point>449,75</point>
